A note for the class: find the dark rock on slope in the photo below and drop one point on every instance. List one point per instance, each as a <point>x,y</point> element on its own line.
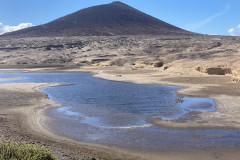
<point>115,18</point>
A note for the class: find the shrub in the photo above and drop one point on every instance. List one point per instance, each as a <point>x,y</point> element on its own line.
<point>22,151</point>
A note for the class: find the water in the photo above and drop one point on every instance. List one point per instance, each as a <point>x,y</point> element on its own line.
<point>118,113</point>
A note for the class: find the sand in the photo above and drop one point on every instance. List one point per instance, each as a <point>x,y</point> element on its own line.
<point>22,114</point>
<point>205,66</point>
<point>222,89</point>
<point>22,118</point>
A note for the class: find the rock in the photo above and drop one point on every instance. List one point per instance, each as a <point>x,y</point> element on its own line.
<point>158,64</point>
<point>218,71</point>
<point>98,60</point>
<point>199,69</point>
<point>165,68</point>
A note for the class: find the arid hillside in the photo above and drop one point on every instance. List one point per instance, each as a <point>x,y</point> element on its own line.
<point>215,55</point>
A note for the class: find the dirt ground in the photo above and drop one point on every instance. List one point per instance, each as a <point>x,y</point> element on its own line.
<point>205,66</point>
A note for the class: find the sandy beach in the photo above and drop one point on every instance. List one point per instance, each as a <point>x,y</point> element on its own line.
<point>23,118</point>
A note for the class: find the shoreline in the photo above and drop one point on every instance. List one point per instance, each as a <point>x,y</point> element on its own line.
<point>226,119</point>
<point>36,124</point>
<point>27,124</point>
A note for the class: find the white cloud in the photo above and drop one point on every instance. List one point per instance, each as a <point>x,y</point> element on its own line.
<point>235,31</point>
<point>199,24</point>
<point>7,28</point>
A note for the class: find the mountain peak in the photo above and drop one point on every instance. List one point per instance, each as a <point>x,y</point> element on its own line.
<point>115,18</point>
<point>118,3</point>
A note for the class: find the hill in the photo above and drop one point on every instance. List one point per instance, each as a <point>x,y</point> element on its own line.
<point>115,18</point>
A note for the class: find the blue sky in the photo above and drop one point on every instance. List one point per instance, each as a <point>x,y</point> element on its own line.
<point>206,16</point>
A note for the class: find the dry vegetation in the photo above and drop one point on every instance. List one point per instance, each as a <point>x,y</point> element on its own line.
<point>23,151</point>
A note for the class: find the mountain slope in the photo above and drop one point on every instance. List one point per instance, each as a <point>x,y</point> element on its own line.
<point>115,18</point>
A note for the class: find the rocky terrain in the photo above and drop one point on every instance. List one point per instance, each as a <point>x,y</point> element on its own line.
<point>206,66</point>
<point>214,55</point>
<point>118,35</point>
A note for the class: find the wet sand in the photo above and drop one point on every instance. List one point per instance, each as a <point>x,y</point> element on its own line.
<point>22,114</point>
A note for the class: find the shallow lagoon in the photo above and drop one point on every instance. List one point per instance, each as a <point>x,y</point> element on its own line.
<point>118,113</point>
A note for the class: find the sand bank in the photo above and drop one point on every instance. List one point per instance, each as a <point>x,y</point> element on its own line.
<point>22,113</point>
<point>224,91</point>
<point>22,119</point>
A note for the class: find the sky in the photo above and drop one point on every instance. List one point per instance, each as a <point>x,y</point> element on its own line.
<point>220,17</point>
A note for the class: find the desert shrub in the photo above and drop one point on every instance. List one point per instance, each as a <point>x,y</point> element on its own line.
<point>23,151</point>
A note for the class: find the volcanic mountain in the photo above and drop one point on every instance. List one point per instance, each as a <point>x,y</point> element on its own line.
<point>115,18</point>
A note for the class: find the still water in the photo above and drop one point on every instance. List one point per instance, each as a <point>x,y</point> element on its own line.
<point>119,113</point>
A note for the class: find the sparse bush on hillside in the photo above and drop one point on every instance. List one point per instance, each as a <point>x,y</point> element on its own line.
<point>22,151</point>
